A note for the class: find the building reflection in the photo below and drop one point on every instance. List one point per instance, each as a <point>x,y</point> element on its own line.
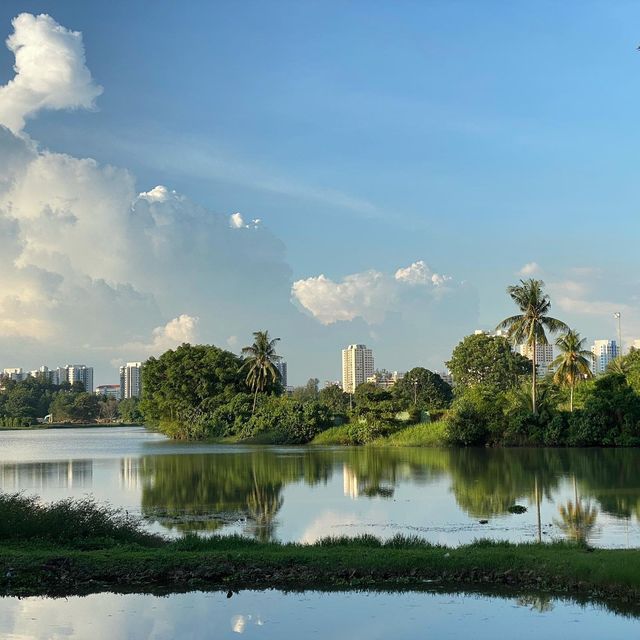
<point>130,473</point>
<point>72,474</point>
<point>355,486</point>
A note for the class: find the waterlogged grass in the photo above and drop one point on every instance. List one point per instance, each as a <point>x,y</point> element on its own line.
<point>25,518</point>
<point>424,434</point>
<point>75,547</point>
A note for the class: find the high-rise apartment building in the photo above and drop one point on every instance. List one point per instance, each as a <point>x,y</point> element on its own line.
<point>604,351</point>
<point>14,373</point>
<point>357,366</point>
<point>544,356</point>
<point>76,373</point>
<point>281,366</point>
<point>384,379</point>
<point>131,380</point>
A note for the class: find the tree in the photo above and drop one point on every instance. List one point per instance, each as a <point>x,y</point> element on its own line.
<point>335,399</point>
<point>487,360</point>
<point>530,326</point>
<point>260,363</point>
<point>424,389</point>
<point>182,389</point>
<point>573,362</point>
<point>308,392</point>
<point>129,410</point>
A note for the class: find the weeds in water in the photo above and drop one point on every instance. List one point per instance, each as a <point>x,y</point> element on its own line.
<point>80,521</point>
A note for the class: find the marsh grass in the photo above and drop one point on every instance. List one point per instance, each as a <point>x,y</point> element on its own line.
<point>25,517</point>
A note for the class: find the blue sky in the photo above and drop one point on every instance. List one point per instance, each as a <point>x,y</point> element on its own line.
<point>477,137</point>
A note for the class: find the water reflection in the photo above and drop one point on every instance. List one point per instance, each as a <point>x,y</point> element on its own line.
<point>44,475</point>
<point>284,493</point>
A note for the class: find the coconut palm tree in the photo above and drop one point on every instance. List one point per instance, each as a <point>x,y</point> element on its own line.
<point>260,363</point>
<point>573,363</point>
<point>530,326</point>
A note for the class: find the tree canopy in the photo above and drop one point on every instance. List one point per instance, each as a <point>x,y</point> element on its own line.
<point>488,360</point>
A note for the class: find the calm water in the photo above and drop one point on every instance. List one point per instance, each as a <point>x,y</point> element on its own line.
<point>303,494</point>
<point>292,616</point>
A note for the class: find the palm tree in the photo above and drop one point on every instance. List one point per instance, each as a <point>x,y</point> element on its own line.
<point>261,359</point>
<point>573,363</point>
<point>530,326</point>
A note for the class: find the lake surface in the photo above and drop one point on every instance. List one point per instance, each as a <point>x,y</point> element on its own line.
<point>304,493</point>
<point>291,616</point>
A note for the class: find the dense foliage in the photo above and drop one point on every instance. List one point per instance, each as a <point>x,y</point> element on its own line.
<point>482,359</point>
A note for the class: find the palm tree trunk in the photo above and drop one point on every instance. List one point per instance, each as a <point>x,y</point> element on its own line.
<point>571,399</point>
<point>533,380</point>
<point>255,399</point>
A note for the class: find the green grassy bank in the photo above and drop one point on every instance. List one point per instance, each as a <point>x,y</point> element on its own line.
<point>424,434</point>
<point>78,547</point>
<point>360,563</point>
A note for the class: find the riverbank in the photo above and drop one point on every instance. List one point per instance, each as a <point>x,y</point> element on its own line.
<point>70,425</point>
<point>233,563</point>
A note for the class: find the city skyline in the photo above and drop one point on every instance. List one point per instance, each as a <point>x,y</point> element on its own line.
<point>371,201</point>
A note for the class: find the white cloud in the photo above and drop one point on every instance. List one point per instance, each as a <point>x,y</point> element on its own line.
<point>420,273</point>
<point>50,71</point>
<point>369,295</point>
<point>529,269</point>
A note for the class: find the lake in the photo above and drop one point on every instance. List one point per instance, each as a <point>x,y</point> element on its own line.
<point>291,616</point>
<point>449,496</point>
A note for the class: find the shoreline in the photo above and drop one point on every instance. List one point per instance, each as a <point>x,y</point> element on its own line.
<point>607,576</point>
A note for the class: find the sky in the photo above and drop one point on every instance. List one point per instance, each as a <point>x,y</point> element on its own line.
<point>336,173</point>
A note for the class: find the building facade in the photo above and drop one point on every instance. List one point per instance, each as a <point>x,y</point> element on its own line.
<point>281,366</point>
<point>109,391</point>
<point>73,373</point>
<point>131,380</point>
<point>604,351</point>
<point>544,356</point>
<point>384,379</point>
<point>14,373</point>
<point>357,366</point>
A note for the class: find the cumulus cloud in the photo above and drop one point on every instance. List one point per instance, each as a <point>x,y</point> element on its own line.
<point>97,270</point>
<point>529,269</point>
<point>369,295</point>
<point>50,71</point>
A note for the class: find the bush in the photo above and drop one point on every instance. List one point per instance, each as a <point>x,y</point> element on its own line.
<point>290,421</point>
<point>24,518</point>
<point>467,427</point>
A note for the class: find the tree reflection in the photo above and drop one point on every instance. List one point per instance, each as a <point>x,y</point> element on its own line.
<point>577,520</point>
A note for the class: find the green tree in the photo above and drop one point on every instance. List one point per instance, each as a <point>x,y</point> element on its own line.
<point>308,392</point>
<point>487,360</point>
<point>183,388</point>
<point>573,362</point>
<point>333,397</point>
<point>424,389</point>
<point>260,363</point>
<point>129,410</point>
<point>530,326</point>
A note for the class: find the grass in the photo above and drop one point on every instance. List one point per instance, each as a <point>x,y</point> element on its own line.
<point>77,547</point>
<point>424,434</point>
<point>68,521</point>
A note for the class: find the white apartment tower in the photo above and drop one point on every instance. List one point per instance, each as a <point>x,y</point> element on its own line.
<point>130,380</point>
<point>604,351</point>
<point>75,373</point>
<point>357,366</point>
<point>544,356</point>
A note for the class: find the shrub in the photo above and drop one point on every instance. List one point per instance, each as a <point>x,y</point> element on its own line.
<point>467,427</point>
<point>24,518</point>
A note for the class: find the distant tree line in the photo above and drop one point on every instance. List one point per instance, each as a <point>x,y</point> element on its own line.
<point>23,402</point>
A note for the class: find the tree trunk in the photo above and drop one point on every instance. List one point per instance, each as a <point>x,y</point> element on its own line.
<point>533,380</point>
<point>571,399</point>
<point>255,399</point>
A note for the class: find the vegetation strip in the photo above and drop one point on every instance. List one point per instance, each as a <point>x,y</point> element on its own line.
<point>234,563</point>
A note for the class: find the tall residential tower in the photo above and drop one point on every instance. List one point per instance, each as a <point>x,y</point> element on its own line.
<point>357,366</point>
<point>130,380</point>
